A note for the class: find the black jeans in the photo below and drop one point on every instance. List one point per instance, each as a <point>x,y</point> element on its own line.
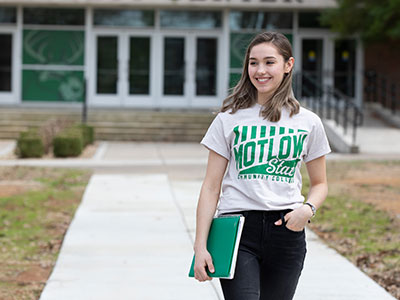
<point>270,259</point>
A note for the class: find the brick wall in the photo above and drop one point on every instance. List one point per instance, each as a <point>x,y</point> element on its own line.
<point>384,58</point>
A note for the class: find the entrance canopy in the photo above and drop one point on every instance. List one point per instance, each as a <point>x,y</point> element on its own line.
<point>290,4</point>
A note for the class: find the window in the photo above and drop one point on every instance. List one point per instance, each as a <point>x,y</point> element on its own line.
<point>190,19</point>
<point>131,18</point>
<point>8,15</point>
<point>260,20</point>
<point>310,20</point>
<point>54,16</point>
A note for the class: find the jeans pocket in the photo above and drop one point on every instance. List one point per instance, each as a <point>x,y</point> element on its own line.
<point>294,231</point>
<point>284,223</point>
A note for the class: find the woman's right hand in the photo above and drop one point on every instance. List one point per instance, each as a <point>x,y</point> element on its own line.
<point>202,262</point>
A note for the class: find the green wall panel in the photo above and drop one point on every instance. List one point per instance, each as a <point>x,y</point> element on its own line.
<point>234,79</point>
<point>53,47</point>
<point>239,43</point>
<point>67,86</point>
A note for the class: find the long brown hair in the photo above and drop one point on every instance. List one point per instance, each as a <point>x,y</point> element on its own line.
<point>244,94</point>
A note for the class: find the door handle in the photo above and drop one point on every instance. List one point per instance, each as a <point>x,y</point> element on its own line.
<point>184,71</point>
<point>128,66</point>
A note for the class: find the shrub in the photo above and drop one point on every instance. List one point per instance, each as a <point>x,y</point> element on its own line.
<point>68,143</point>
<point>88,134</point>
<point>29,144</point>
<point>50,129</point>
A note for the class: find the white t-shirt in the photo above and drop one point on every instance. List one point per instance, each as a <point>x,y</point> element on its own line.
<point>264,157</point>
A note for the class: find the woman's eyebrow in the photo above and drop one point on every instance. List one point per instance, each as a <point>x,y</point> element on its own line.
<point>267,57</point>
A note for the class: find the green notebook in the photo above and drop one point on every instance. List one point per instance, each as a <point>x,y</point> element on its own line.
<point>223,245</point>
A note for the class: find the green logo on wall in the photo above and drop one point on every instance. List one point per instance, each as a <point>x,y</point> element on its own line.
<point>53,47</point>
<point>53,65</point>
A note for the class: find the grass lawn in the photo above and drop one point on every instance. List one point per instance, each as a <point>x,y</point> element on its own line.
<point>361,217</point>
<point>36,208</point>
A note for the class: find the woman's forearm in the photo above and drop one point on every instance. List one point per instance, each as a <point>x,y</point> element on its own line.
<point>206,207</point>
<point>317,194</point>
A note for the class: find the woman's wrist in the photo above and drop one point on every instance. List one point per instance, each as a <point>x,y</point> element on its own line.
<point>311,207</point>
<point>198,246</point>
<point>308,211</point>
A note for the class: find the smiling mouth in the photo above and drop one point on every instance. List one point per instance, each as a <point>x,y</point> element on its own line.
<point>263,80</point>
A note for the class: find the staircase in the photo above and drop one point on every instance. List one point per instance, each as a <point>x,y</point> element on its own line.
<point>114,124</point>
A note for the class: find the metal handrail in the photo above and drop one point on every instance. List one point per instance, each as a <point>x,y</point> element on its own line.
<point>330,103</point>
<point>383,90</point>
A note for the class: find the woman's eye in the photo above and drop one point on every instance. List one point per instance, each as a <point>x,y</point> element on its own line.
<point>270,62</point>
<point>252,63</point>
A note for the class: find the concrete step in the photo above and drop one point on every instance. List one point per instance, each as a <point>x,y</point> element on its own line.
<point>104,114</point>
<point>148,138</point>
<point>181,134</point>
<point>148,125</point>
<point>123,118</point>
<point>114,124</point>
<point>170,123</point>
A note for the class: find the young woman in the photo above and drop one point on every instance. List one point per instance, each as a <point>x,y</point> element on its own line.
<point>256,145</point>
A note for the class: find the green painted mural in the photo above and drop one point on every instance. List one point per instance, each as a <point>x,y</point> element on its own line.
<point>53,47</point>
<point>66,86</point>
<point>58,49</point>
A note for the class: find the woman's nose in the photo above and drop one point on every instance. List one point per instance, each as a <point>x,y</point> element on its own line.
<point>261,70</point>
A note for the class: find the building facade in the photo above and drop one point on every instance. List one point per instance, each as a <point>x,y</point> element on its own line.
<point>159,53</point>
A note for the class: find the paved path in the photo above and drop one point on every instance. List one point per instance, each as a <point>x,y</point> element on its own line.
<point>376,137</point>
<point>131,237</point>
<point>127,241</point>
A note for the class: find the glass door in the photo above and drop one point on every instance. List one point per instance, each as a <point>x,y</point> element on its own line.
<point>312,60</point>
<point>123,70</point>
<point>139,66</point>
<point>175,75</point>
<point>174,66</point>
<point>174,69</point>
<point>190,70</point>
<point>345,66</point>
<point>138,80</point>
<point>206,66</point>
<point>107,87</point>
<point>204,63</point>
<point>5,62</point>
<point>107,65</point>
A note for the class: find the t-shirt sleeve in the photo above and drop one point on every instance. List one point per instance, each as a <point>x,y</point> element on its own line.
<point>215,138</point>
<point>318,144</point>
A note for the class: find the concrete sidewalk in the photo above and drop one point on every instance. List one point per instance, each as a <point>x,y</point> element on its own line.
<point>127,241</point>
<point>132,235</point>
<point>131,239</point>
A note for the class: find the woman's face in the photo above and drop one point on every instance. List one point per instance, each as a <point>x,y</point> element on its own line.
<point>266,70</point>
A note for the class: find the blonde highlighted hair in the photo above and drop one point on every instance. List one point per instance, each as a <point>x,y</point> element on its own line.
<point>244,94</point>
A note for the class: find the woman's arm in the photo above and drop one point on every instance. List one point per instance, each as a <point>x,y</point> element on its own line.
<point>298,218</point>
<point>318,182</point>
<point>206,207</point>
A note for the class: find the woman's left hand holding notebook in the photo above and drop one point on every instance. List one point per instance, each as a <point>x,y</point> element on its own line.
<point>203,261</point>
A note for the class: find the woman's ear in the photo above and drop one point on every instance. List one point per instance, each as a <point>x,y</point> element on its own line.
<point>289,65</point>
